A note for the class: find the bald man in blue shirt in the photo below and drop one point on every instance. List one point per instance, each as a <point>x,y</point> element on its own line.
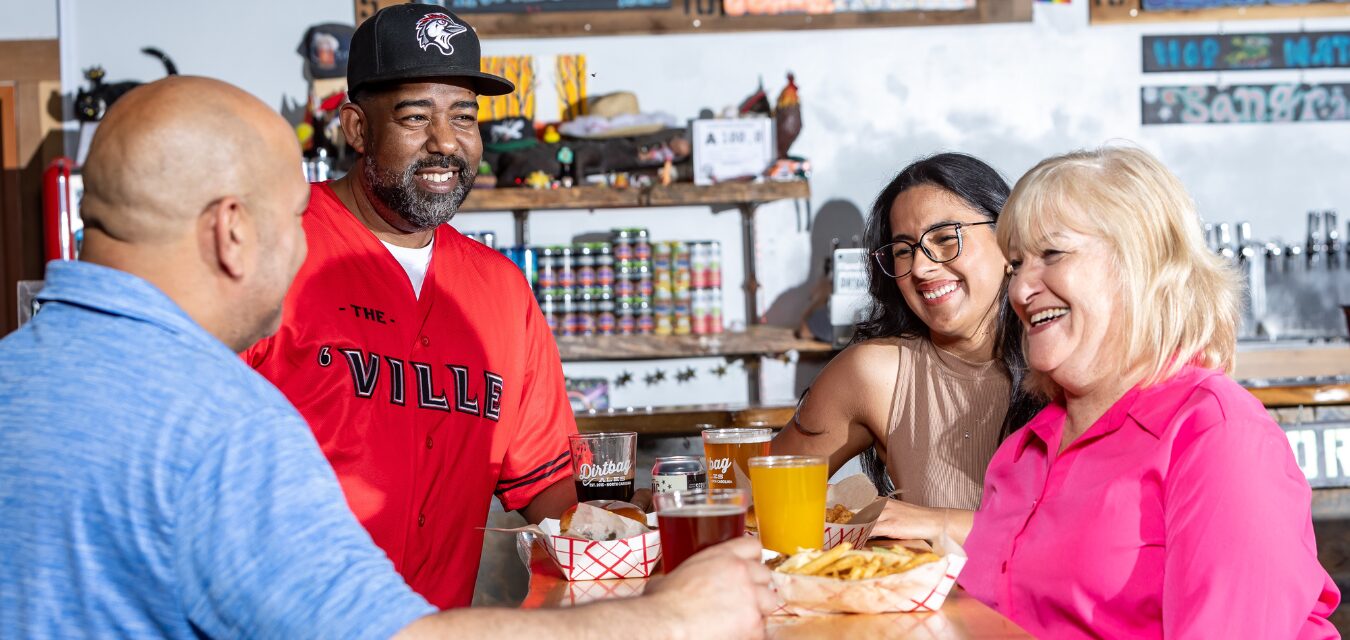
<point>153,485</point>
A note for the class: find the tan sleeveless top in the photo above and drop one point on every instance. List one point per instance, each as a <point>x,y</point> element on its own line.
<point>945,418</point>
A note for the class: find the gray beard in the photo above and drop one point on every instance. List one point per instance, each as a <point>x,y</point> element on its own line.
<point>399,193</point>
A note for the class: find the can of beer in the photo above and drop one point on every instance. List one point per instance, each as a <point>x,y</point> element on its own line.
<point>683,254</point>
<point>646,324</point>
<point>623,244</point>
<point>548,269</point>
<point>584,259</point>
<point>702,312</point>
<point>567,277</point>
<point>568,322</point>
<point>715,310</point>
<point>627,320</point>
<point>604,264</point>
<point>606,322</point>
<point>661,256</point>
<point>682,319</point>
<point>586,325</point>
<point>642,248</point>
<point>714,264</point>
<point>679,473</point>
<point>698,265</point>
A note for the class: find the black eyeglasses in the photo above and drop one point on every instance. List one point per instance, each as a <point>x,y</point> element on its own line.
<point>897,258</point>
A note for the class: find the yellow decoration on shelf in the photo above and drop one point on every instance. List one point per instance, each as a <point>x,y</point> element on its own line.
<point>539,180</point>
<point>518,104</point>
<point>570,82</point>
<point>551,135</point>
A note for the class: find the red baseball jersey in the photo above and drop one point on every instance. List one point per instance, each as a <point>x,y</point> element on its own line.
<point>425,407</point>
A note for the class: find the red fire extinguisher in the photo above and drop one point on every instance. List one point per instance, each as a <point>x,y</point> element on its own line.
<point>58,211</point>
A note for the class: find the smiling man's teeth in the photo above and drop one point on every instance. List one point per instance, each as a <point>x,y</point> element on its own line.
<point>1044,316</point>
<point>938,293</point>
<point>437,177</point>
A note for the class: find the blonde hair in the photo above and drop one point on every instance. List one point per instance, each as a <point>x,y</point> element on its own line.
<point>1181,299</point>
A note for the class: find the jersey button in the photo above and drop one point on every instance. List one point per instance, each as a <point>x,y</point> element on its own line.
<point>426,342</point>
<point>428,442</point>
<point>421,519</point>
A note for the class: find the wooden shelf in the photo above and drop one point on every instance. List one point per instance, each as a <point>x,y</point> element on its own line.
<point>684,18</point>
<point>1131,11</point>
<point>684,421</point>
<point>758,340</point>
<point>675,195</point>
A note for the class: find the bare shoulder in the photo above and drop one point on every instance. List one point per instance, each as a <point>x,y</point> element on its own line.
<point>865,366</point>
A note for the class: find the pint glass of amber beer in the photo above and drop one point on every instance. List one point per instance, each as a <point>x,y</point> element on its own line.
<point>602,465</point>
<point>790,501</point>
<point>690,521</point>
<point>728,450</point>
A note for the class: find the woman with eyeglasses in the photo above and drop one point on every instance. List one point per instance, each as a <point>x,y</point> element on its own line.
<point>931,384</point>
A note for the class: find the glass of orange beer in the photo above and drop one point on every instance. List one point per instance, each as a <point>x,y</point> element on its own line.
<point>789,496</point>
<point>728,450</point>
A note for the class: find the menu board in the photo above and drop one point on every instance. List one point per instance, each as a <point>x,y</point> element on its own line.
<point>1246,51</point>
<point>1245,104</point>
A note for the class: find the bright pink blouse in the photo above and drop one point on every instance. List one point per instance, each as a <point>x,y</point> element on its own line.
<point>1181,513</point>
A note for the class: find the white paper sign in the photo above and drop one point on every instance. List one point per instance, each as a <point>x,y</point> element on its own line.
<point>727,149</point>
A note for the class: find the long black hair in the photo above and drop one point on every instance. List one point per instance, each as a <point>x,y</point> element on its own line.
<point>984,190</point>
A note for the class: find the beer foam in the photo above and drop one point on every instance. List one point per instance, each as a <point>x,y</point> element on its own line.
<point>713,437</point>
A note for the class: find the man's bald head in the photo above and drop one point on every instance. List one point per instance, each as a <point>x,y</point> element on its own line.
<point>196,187</point>
<point>168,149</point>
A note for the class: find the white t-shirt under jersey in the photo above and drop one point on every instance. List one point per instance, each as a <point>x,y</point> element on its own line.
<point>414,262</point>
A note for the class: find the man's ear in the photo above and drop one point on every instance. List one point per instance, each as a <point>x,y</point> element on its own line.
<point>354,126</point>
<point>232,233</point>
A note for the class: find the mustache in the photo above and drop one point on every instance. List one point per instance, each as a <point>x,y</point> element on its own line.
<point>440,162</point>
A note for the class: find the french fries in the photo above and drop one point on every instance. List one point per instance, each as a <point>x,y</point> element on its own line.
<point>845,563</point>
<point>838,514</point>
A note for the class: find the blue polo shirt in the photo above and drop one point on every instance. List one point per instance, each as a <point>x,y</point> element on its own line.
<point>153,485</point>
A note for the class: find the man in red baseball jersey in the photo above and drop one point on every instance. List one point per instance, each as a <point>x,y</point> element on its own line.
<point>418,356</point>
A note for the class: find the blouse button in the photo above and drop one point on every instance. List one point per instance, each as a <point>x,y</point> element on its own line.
<point>426,342</point>
<point>1005,566</point>
<point>428,442</point>
<point>421,519</point>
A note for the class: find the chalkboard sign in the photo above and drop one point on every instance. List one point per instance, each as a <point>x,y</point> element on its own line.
<point>1251,103</point>
<point>1247,51</point>
<point>534,6</point>
<point>1190,5</point>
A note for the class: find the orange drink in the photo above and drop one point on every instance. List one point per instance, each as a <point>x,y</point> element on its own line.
<point>728,450</point>
<point>790,501</point>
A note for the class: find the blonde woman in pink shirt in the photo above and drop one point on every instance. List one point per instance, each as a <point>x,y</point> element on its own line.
<point>1153,497</point>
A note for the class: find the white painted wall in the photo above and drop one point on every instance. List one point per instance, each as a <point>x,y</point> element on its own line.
<point>27,19</point>
<point>873,100</point>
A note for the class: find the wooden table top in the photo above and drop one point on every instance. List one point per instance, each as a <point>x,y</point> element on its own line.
<point>961,616</point>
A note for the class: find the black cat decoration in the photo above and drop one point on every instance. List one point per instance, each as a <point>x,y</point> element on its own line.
<point>92,103</point>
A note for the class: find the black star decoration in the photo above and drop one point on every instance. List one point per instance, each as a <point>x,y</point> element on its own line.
<point>624,379</point>
<point>686,375</point>
<point>719,370</point>
<point>652,378</point>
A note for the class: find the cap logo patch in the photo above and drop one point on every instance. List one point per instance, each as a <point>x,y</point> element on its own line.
<point>435,30</point>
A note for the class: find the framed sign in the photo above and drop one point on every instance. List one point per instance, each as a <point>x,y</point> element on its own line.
<point>1245,104</point>
<point>1117,11</point>
<point>1322,450</point>
<point>729,149</point>
<point>548,18</point>
<point>1246,51</point>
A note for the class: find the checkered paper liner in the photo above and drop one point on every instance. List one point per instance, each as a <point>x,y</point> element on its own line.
<point>921,589</point>
<point>858,531</point>
<point>580,559</point>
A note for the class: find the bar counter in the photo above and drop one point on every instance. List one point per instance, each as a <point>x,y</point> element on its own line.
<point>961,616</point>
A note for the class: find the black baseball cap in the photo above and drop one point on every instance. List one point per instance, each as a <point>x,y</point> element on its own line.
<point>412,41</point>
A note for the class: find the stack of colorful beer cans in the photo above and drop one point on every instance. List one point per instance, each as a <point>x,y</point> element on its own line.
<point>628,286</point>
